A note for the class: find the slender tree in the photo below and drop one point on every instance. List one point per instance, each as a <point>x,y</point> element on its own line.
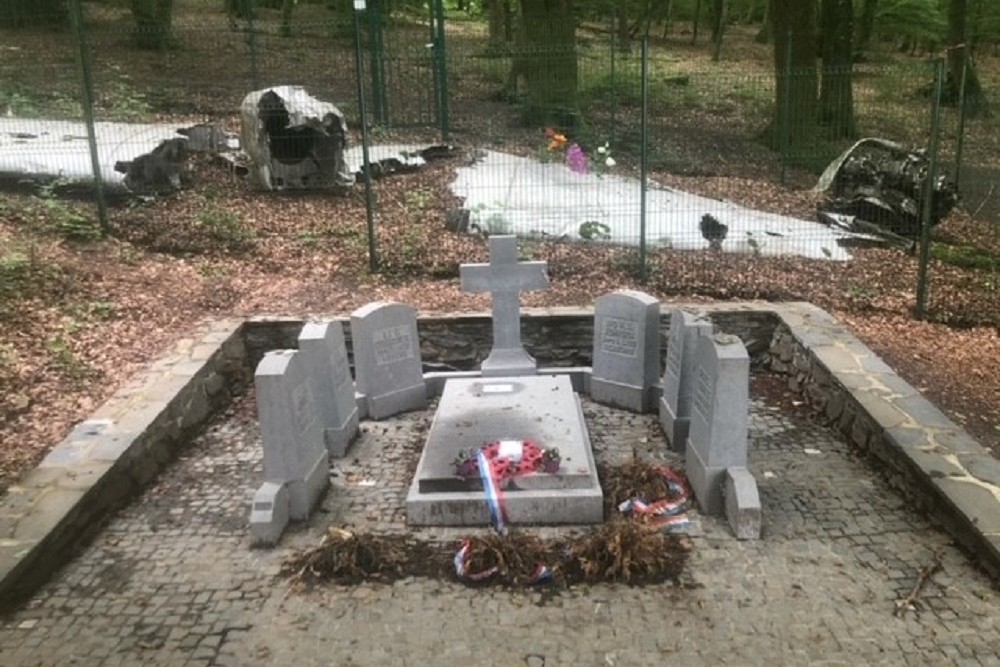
<point>960,57</point>
<point>547,62</point>
<point>793,23</point>
<point>867,23</point>
<point>836,97</point>
<point>152,22</point>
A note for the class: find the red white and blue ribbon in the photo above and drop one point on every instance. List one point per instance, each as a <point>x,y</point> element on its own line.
<point>494,495</point>
<point>668,514</point>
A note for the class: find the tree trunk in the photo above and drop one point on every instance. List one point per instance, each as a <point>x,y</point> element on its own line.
<point>26,13</point>
<point>867,23</point>
<point>286,17</point>
<point>549,63</point>
<point>622,31</point>
<point>959,55</point>
<point>718,27</point>
<point>152,22</point>
<point>763,35</point>
<point>836,98</point>
<point>497,22</point>
<point>794,25</point>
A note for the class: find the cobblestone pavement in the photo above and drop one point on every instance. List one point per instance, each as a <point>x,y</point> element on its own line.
<point>171,581</point>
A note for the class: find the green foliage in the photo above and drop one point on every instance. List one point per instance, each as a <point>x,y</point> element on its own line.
<point>966,257</point>
<point>66,220</point>
<point>920,21</point>
<point>227,230</point>
<point>64,359</point>
<point>15,100</point>
<point>592,230</point>
<point>119,99</point>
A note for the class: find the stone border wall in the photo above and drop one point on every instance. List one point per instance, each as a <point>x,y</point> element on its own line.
<point>926,456</point>
<point>113,455</point>
<point>118,451</point>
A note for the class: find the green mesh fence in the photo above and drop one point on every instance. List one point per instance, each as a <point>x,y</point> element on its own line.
<point>709,126</point>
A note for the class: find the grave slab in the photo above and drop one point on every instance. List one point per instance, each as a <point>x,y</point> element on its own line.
<point>720,415</point>
<point>626,360</point>
<point>675,404</point>
<point>325,355</point>
<point>387,360</point>
<point>474,412</point>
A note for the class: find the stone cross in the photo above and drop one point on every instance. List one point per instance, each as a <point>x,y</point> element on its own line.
<point>505,278</point>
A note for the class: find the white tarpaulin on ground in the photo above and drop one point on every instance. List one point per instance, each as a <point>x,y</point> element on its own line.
<point>529,198</point>
<point>50,149</point>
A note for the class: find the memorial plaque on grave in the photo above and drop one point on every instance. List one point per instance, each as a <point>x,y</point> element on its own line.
<point>387,359</point>
<point>325,356</point>
<point>292,434</point>
<point>675,404</point>
<point>473,412</point>
<point>719,416</point>
<point>626,350</point>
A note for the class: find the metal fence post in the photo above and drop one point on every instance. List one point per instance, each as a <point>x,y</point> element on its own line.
<point>87,101</point>
<point>359,6</point>
<point>376,47</point>
<point>614,84</point>
<point>927,205</point>
<point>441,71</point>
<point>786,109</point>
<point>644,159</point>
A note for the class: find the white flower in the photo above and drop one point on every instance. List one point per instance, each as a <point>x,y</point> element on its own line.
<point>610,162</point>
<point>603,149</point>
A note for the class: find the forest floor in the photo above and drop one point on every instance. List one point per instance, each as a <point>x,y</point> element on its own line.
<point>78,317</point>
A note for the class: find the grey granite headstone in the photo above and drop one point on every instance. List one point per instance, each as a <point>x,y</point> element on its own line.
<point>325,355</point>
<point>294,447</point>
<point>626,362</point>
<point>742,503</point>
<point>387,361</point>
<point>505,278</point>
<point>675,404</point>
<point>719,416</point>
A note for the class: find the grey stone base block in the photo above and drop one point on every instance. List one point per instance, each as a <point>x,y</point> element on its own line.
<point>620,395</point>
<point>675,428</point>
<point>338,439</point>
<point>512,362</point>
<point>269,514</point>
<point>524,507</point>
<point>396,402</point>
<point>742,503</point>
<point>706,482</point>
<point>304,494</point>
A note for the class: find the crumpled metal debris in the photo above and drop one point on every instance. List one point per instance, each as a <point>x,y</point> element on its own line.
<point>882,182</point>
<point>293,140</point>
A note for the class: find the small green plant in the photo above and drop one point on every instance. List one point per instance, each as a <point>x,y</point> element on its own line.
<point>65,360</point>
<point>308,239</point>
<point>593,230</point>
<point>419,199</point>
<point>226,229</point>
<point>127,254</point>
<point>66,220</point>
<point>122,100</point>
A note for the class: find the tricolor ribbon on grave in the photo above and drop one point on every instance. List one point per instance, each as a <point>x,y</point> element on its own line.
<point>494,495</point>
<point>668,514</point>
